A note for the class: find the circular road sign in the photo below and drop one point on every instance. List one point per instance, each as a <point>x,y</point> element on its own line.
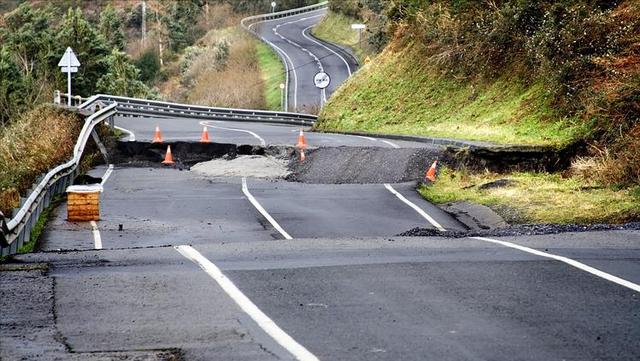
<point>322,80</point>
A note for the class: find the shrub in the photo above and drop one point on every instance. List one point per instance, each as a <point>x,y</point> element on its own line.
<point>30,146</point>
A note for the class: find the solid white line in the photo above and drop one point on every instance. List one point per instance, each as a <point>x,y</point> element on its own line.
<point>107,174</point>
<point>132,137</point>
<point>97,240</point>
<point>295,74</point>
<point>326,47</point>
<point>262,141</point>
<point>265,323</point>
<point>569,261</point>
<point>361,136</point>
<point>262,211</point>
<point>415,207</point>
<point>394,145</point>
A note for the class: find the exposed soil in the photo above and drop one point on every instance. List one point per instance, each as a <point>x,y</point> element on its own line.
<point>521,230</point>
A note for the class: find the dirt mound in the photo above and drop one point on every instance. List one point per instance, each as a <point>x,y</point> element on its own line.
<point>243,166</point>
<point>338,165</point>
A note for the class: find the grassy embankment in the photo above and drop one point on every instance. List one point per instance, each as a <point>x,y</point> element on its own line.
<point>405,92</point>
<point>538,197</point>
<point>272,73</point>
<point>400,94</point>
<point>336,28</point>
<point>29,147</point>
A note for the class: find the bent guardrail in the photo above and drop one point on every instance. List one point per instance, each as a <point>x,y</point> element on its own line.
<point>16,231</point>
<point>145,107</point>
<point>247,22</point>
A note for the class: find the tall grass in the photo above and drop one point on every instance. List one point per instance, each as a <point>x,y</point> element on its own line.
<point>273,74</point>
<point>30,146</point>
<point>207,78</point>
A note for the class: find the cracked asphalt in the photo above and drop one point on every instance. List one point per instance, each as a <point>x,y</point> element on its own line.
<point>321,261</point>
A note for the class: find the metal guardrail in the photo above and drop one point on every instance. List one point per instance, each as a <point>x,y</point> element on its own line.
<point>144,107</point>
<point>247,22</point>
<point>61,98</point>
<point>281,14</point>
<point>16,231</point>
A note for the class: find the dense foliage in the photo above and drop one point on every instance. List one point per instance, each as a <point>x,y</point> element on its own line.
<point>585,52</point>
<point>32,40</point>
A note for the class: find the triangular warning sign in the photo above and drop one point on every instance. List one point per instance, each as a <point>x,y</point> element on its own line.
<point>69,59</point>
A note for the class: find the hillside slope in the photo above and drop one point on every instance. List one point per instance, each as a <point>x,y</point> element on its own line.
<point>401,93</point>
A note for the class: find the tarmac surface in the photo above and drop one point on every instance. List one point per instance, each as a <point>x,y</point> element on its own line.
<point>187,267</point>
<point>306,56</point>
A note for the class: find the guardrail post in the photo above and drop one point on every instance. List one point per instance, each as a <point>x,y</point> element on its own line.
<point>56,97</point>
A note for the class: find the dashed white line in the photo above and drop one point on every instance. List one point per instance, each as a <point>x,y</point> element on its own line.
<point>262,211</point>
<point>97,240</point>
<point>326,47</point>
<point>569,261</point>
<point>262,141</point>
<point>265,323</point>
<point>424,214</point>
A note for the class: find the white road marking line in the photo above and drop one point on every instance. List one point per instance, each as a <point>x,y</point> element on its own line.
<point>132,137</point>
<point>259,317</point>
<point>262,211</point>
<point>326,47</point>
<point>293,70</point>
<point>393,145</point>
<point>97,240</point>
<point>262,141</point>
<point>107,174</point>
<point>415,207</point>
<point>363,137</point>
<point>569,261</point>
<point>323,95</point>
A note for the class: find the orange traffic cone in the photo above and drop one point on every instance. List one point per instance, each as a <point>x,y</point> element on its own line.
<point>157,138</point>
<point>205,136</point>
<point>302,156</point>
<point>431,173</point>
<point>302,143</point>
<point>168,158</point>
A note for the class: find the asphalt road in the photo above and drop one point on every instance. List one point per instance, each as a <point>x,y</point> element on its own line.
<point>185,129</point>
<point>183,267</point>
<point>306,56</point>
<point>343,299</point>
<point>158,207</point>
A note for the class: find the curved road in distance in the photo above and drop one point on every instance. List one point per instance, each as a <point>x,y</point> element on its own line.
<point>306,56</point>
<point>239,132</point>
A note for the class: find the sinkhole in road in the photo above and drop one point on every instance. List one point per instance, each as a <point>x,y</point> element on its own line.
<point>324,165</point>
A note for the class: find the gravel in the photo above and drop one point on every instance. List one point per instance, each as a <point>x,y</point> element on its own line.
<point>255,166</point>
<point>521,230</point>
<point>339,165</point>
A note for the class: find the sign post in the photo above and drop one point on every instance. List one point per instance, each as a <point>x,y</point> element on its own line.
<point>359,27</point>
<point>322,80</point>
<point>69,64</point>
<point>282,97</point>
<point>273,7</point>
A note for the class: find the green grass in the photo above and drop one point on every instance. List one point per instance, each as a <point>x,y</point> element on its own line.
<point>399,93</point>
<point>39,227</point>
<point>273,74</point>
<point>336,28</point>
<point>538,197</point>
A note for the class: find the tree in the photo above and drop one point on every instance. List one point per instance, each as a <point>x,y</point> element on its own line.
<point>27,59</point>
<point>112,28</point>
<point>122,77</point>
<point>90,47</point>
<point>12,90</point>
